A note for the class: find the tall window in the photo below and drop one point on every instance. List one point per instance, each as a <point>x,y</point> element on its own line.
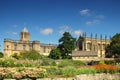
<point>99,46</point>
<point>89,46</point>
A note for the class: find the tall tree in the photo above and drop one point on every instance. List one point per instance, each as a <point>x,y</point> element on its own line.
<point>114,48</point>
<point>66,44</point>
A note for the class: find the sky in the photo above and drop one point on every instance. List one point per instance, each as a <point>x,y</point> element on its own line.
<point>47,20</point>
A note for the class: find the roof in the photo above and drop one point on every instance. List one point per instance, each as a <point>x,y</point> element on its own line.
<point>84,54</point>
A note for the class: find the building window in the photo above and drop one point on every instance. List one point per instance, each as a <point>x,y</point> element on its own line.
<point>7,46</point>
<point>99,47</point>
<point>89,46</point>
<point>15,47</point>
<point>24,47</point>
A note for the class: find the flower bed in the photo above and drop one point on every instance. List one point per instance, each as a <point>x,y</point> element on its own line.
<point>20,73</point>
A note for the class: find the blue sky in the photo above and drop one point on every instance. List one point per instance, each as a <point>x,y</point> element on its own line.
<point>46,20</point>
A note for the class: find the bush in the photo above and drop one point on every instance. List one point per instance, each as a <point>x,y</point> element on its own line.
<point>48,62</point>
<point>69,62</point>
<point>53,72</point>
<point>110,61</point>
<point>103,68</point>
<point>16,56</point>
<point>69,72</point>
<point>55,54</point>
<point>78,63</point>
<point>32,55</point>
<point>7,62</point>
<point>65,63</point>
<point>1,54</point>
<point>85,70</point>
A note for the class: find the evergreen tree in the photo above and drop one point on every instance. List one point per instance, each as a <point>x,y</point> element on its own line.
<point>66,44</point>
<point>114,48</point>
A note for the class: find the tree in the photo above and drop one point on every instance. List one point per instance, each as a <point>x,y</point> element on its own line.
<point>55,54</point>
<point>114,48</point>
<point>1,54</point>
<point>66,44</point>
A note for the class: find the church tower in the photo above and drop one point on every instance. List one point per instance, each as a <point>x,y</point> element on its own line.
<point>24,35</point>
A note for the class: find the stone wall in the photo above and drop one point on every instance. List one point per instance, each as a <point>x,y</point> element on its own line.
<point>89,77</point>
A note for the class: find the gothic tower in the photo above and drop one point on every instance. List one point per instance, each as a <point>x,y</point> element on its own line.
<point>24,35</point>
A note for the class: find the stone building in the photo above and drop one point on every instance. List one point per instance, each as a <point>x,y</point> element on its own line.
<point>89,48</point>
<point>24,44</point>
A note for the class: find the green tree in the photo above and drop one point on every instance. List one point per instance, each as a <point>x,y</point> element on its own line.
<point>114,48</point>
<point>66,44</point>
<point>55,54</point>
<point>1,54</point>
<point>30,55</point>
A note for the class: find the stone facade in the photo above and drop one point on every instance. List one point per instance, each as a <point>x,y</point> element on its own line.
<point>90,48</point>
<point>24,44</point>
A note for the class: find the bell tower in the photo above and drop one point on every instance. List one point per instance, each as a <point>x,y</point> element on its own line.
<point>24,35</point>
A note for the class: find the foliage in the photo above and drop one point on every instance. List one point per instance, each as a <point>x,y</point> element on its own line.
<point>7,62</point>
<point>102,62</point>
<point>53,72</point>
<point>67,44</point>
<point>16,56</point>
<point>11,62</point>
<point>1,54</point>
<point>69,72</point>
<point>20,73</point>
<point>103,68</point>
<point>86,70</point>
<point>79,63</point>
<point>112,62</point>
<point>34,55</point>
<point>48,62</point>
<point>114,48</point>
<point>70,63</point>
<point>55,54</point>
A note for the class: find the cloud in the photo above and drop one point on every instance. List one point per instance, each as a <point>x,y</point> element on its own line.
<point>47,31</point>
<point>13,33</point>
<point>85,12</point>
<point>15,26</point>
<point>100,16</point>
<point>64,28</point>
<point>92,22</point>
<point>78,32</point>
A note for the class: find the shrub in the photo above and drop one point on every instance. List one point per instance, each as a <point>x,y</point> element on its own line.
<point>55,54</point>
<point>48,62</point>
<point>69,72</point>
<point>7,62</point>
<point>78,63</point>
<point>65,63</point>
<point>103,68</point>
<point>16,56</point>
<point>53,72</point>
<point>69,62</point>
<point>34,55</point>
<point>1,54</point>
<point>86,70</point>
<point>110,62</point>
<point>102,62</point>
